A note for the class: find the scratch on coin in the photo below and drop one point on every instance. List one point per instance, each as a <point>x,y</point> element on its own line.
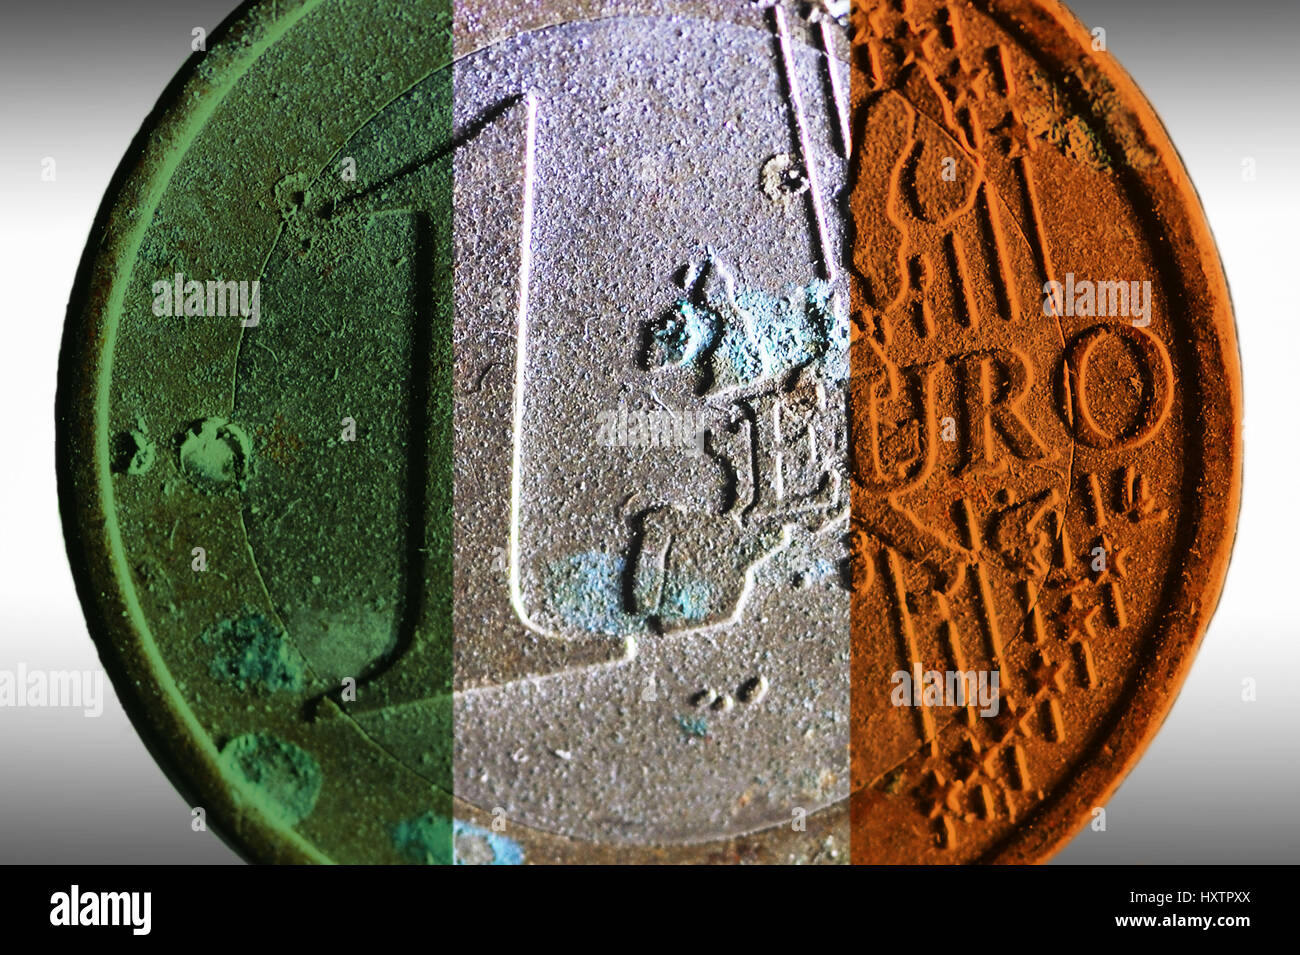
<point>482,376</point>
<point>809,161</point>
<point>837,89</point>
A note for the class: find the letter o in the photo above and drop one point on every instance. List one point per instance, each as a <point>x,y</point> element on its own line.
<point>1157,400</point>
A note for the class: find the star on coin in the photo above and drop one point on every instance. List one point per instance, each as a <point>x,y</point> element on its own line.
<point>914,43</point>
<point>1017,137</point>
<point>964,83</point>
<point>1076,619</point>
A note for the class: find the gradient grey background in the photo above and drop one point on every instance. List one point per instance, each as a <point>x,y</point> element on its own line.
<point>1221,782</point>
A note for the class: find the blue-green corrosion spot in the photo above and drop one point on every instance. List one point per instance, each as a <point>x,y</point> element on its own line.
<point>435,839</point>
<point>688,332</point>
<point>816,571</point>
<point>783,333</point>
<point>424,840</point>
<point>250,651</point>
<point>693,727</point>
<point>586,591</point>
<point>748,335</point>
<point>475,845</point>
<point>685,599</point>
<point>283,779</point>
<point>778,334</point>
